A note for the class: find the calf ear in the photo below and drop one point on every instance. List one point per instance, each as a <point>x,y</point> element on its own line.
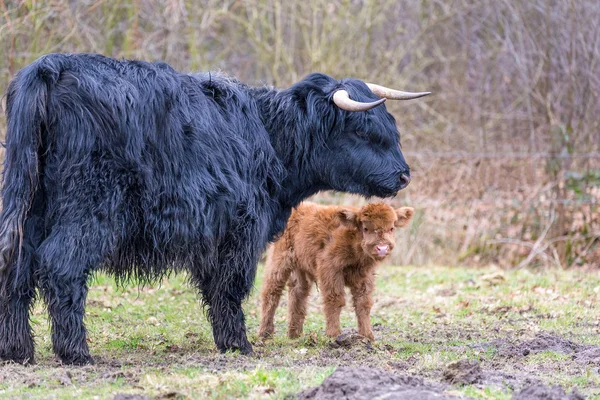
<point>404,215</point>
<point>347,217</point>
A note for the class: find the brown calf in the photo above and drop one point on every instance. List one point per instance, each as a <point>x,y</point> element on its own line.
<point>335,246</point>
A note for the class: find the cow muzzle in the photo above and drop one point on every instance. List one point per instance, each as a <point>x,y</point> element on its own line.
<point>404,180</point>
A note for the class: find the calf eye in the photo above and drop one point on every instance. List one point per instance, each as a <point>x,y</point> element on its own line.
<point>366,229</point>
<point>392,229</point>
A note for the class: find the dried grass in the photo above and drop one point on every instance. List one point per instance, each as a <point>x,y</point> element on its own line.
<point>505,154</point>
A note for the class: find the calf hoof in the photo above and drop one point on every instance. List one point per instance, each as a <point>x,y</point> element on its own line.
<point>294,334</point>
<point>266,333</point>
<point>333,333</point>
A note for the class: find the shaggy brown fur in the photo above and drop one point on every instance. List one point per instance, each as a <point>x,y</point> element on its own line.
<point>335,246</point>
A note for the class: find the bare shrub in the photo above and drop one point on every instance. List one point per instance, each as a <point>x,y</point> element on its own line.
<point>505,155</point>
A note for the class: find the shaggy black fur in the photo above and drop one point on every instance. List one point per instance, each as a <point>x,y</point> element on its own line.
<point>139,170</point>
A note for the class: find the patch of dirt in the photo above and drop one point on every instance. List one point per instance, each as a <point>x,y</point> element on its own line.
<point>543,341</point>
<point>125,396</point>
<point>543,392</point>
<point>396,374</point>
<point>351,339</point>
<point>370,383</point>
<point>590,355</point>
<point>511,380</point>
<point>463,372</point>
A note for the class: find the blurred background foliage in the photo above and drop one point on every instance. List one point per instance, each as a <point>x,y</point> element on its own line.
<point>505,154</point>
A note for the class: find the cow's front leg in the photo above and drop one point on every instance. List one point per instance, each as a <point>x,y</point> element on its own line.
<point>224,289</point>
<point>227,318</point>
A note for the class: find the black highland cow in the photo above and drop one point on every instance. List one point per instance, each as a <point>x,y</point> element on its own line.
<point>138,170</point>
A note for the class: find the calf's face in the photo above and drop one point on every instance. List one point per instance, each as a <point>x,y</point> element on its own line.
<point>376,224</point>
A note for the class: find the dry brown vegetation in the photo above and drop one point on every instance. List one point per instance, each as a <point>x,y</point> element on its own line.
<point>505,155</point>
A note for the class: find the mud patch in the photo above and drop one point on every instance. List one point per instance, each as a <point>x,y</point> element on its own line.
<point>590,355</point>
<point>543,392</point>
<point>463,372</point>
<point>543,341</point>
<point>125,396</point>
<point>369,383</point>
<point>351,339</point>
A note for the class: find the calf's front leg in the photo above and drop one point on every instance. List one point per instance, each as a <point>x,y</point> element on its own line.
<point>332,288</point>
<point>362,297</point>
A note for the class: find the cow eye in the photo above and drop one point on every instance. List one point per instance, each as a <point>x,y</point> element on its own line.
<point>392,229</point>
<point>365,229</point>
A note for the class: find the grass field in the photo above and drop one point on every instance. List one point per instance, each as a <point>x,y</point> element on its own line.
<point>520,325</point>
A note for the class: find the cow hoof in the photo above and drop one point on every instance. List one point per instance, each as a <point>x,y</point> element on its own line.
<point>245,349</point>
<point>78,359</point>
<point>17,358</point>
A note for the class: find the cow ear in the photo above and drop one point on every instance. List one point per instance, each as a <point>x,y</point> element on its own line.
<point>347,217</point>
<point>404,215</point>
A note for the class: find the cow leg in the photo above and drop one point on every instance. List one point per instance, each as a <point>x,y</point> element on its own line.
<point>17,294</point>
<point>277,273</point>
<point>224,296</point>
<point>16,297</point>
<point>16,339</point>
<point>299,289</point>
<point>228,284</point>
<point>68,256</point>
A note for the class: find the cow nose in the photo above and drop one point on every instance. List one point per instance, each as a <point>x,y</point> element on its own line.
<point>404,180</point>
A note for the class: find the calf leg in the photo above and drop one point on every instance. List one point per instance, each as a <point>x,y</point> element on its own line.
<point>299,289</point>
<point>276,275</point>
<point>331,284</point>
<point>362,296</point>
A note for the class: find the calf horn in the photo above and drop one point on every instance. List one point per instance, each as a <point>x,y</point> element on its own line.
<point>343,101</point>
<point>394,94</point>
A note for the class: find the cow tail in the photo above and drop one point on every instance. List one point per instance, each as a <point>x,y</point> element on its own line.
<point>26,113</point>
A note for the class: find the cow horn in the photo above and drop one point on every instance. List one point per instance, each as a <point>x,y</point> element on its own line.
<point>393,94</point>
<point>343,101</point>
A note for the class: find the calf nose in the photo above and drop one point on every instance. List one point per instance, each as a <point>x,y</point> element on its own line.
<point>404,180</point>
<point>382,250</point>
